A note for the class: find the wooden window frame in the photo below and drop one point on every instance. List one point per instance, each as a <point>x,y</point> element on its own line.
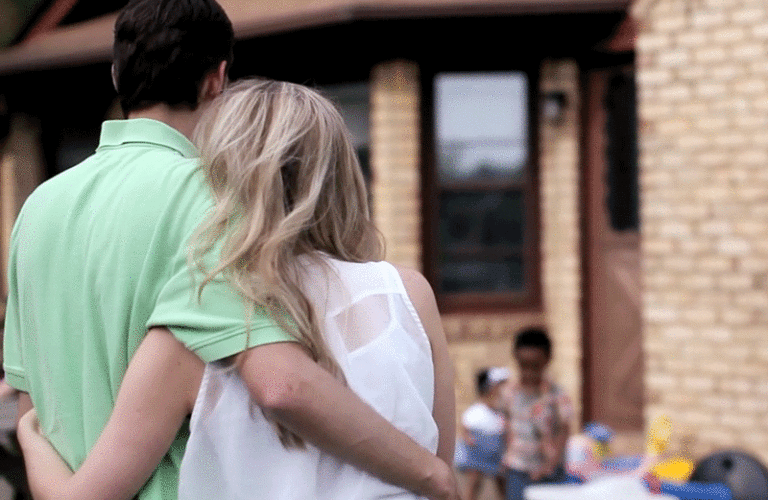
<point>526,301</point>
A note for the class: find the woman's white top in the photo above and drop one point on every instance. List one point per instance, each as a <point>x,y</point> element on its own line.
<point>377,338</point>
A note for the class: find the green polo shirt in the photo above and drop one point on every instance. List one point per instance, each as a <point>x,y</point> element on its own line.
<point>98,255</point>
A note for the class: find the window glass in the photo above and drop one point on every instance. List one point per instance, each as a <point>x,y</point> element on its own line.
<point>75,145</point>
<point>475,219</point>
<point>483,276</point>
<point>482,125</point>
<point>483,183</point>
<point>352,101</point>
<point>621,133</point>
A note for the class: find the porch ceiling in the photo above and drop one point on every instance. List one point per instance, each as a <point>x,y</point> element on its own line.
<point>91,41</point>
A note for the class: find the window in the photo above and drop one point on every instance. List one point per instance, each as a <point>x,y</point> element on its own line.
<point>484,248</point>
<point>75,146</point>
<point>621,133</point>
<point>352,101</point>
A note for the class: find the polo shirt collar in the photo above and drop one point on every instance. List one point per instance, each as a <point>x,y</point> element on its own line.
<point>145,131</point>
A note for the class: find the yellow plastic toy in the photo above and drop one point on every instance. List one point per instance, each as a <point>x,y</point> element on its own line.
<point>677,470</point>
<point>658,436</point>
<point>673,469</point>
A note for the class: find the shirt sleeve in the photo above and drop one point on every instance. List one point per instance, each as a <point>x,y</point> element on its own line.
<point>13,361</point>
<point>217,323</point>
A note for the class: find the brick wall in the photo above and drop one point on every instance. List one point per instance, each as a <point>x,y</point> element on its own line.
<point>703,108</point>
<point>560,236</point>
<point>21,171</point>
<point>395,160</point>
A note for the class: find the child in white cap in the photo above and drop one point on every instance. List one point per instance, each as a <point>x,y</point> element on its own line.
<point>482,434</point>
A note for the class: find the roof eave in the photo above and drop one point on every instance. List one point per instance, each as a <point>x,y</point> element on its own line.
<point>91,42</point>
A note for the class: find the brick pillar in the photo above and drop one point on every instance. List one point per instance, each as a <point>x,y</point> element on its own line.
<point>21,171</point>
<point>560,251</point>
<point>395,159</point>
<point>703,108</point>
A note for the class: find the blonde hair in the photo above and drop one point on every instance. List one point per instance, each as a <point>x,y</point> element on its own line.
<point>286,183</point>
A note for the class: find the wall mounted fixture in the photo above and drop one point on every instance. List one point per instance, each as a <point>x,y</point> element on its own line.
<point>554,106</point>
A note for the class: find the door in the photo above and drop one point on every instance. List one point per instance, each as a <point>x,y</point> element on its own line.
<point>613,361</point>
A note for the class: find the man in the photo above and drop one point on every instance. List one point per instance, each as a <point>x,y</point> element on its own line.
<point>99,254</point>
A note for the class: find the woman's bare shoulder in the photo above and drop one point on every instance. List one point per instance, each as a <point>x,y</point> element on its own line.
<point>423,298</point>
<point>415,283</point>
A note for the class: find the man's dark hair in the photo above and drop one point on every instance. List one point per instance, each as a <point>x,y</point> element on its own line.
<point>533,337</point>
<point>164,48</point>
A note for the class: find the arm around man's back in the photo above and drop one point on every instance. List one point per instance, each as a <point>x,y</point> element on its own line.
<point>309,401</point>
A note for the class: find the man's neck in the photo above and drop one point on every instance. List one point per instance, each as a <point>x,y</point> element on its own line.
<point>182,120</point>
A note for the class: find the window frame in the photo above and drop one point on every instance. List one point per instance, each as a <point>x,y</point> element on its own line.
<point>529,300</point>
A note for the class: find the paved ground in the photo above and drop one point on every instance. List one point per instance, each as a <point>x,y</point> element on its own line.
<point>7,422</point>
<point>488,491</point>
<point>624,443</point>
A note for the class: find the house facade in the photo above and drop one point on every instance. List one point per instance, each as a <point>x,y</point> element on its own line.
<point>703,95</point>
<point>590,166</point>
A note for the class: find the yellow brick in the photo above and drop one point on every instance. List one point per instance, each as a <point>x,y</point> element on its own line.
<point>694,39</point>
<point>713,123</point>
<point>749,16</point>
<point>675,92</point>
<point>748,51</point>
<point>670,23</point>
<point>655,77</point>
<point>750,86</point>
<point>736,318</point>
<point>726,72</point>
<point>708,18</point>
<point>735,282</point>
<point>674,58</point>
<point>710,54</point>
<point>760,30</point>
<point>729,35</point>
<point>711,89</point>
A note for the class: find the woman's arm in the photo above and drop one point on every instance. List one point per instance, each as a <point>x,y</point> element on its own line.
<point>444,410</point>
<point>298,393</point>
<point>156,395</point>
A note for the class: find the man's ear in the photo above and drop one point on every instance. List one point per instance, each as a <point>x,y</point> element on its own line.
<point>114,78</point>
<point>214,82</point>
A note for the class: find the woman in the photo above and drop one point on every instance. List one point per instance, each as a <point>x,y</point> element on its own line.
<point>291,226</point>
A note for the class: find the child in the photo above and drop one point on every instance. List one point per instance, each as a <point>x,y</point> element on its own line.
<point>585,452</point>
<point>538,415</point>
<point>482,432</point>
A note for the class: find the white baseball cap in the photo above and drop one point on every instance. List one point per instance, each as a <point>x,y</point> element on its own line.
<point>497,375</point>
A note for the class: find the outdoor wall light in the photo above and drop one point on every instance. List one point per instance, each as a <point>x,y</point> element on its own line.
<point>554,105</point>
